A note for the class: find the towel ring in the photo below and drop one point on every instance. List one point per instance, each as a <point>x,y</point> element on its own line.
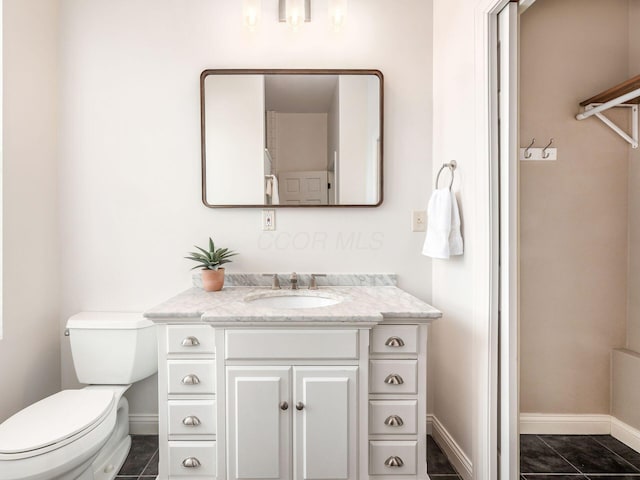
<point>452,165</point>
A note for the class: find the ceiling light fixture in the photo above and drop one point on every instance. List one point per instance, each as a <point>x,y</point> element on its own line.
<point>295,12</point>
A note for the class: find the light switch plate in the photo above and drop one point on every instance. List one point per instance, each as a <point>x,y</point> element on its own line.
<point>268,220</point>
<point>419,221</point>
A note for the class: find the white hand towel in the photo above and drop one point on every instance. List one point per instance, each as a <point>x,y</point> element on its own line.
<point>268,188</point>
<point>443,230</point>
<point>275,197</point>
<point>271,189</point>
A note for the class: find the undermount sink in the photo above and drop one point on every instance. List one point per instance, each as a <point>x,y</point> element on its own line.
<point>301,299</point>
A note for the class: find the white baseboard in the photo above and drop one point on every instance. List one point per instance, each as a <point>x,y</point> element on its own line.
<point>450,447</point>
<point>143,424</point>
<point>625,433</point>
<point>549,424</point>
<point>559,424</point>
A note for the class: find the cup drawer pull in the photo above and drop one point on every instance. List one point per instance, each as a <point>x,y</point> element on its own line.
<point>394,379</point>
<point>191,462</point>
<point>394,342</point>
<point>394,461</point>
<point>190,342</point>
<point>191,421</point>
<point>394,421</point>
<point>191,379</point>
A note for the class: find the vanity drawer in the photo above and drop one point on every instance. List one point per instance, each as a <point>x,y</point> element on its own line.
<point>393,417</point>
<point>190,339</point>
<point>390,339</point>
<point>393,458</point>
<point>201,456</point>
<point>394,376</point>
<point>291,344</point>
<point>192,417</point>
<point>191,376</point>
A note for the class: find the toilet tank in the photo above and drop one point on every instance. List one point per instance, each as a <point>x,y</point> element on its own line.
<point>112,348</point>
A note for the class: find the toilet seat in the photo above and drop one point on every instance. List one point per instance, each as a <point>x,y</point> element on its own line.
<point>54,422</point>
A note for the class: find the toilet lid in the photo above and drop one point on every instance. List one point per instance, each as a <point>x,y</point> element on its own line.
<point>54,419</point>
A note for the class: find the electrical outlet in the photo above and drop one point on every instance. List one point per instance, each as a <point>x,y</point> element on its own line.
<point>268,220</point>
<point>419,221</point>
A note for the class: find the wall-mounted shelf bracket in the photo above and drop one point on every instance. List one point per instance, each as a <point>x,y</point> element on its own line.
<point>625,95</point>
<point>633,138</point>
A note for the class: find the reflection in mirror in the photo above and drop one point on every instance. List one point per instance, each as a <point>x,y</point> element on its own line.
<point>291,138</point>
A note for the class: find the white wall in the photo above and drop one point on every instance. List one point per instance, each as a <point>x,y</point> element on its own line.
<point>30,344</point>
<point>130,156</point>
<point>573,212</point>
<point>354,140</point>
<point>455,94</point>
<point>234,124</point>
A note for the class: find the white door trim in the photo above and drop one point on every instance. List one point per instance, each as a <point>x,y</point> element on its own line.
<point>508,270</point>
<point>485,311</point>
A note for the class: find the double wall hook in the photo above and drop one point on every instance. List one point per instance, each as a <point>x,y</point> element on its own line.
<point>546,154</point>
<point>527,151</point>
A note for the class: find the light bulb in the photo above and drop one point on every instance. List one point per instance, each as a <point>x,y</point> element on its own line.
<point>337,13</point>
<point>251,13</point>
<point>295,13</point>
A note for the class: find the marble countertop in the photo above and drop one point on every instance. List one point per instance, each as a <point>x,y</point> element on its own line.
<point>359,305</point>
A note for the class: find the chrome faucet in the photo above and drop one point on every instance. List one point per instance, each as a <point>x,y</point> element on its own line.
<point>294,281</point>
<point>313,285</point>
<point>275,282</point>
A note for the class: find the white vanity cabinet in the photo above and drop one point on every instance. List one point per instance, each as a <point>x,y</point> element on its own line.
<point>397,401</point>
<point>187,406</point>
<point>292,422</point>
<point>292,402</point>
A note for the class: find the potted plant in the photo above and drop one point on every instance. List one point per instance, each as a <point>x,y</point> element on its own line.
<point>211,261</point>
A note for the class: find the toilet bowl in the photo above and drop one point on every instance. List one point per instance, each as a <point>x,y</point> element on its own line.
<point>83,434</point>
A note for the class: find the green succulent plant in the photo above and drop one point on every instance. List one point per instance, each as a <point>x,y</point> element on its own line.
<point>211,259</point>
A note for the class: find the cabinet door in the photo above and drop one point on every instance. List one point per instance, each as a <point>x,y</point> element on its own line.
<point>325,423</point>
<point>259,430</point>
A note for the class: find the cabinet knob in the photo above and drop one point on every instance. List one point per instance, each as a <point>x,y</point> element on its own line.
<point>191,379</point>
<point>394,342</point>
<point>190,342</point>
<point>191,421</point>
<point>394,461</point>
<point>284,406</point>
<point>299,406</point>
<point>394,379</point>
<point>191,462</point>
<point>394,421</point>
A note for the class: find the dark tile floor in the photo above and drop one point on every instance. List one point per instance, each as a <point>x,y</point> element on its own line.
<point>574,457</point>
<point>557,457</point>
<point>142,462</point>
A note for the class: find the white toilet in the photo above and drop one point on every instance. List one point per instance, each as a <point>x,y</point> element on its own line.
<point>83,434</point>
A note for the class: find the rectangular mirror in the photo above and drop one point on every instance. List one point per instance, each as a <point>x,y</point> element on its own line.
<point>291,138</point>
